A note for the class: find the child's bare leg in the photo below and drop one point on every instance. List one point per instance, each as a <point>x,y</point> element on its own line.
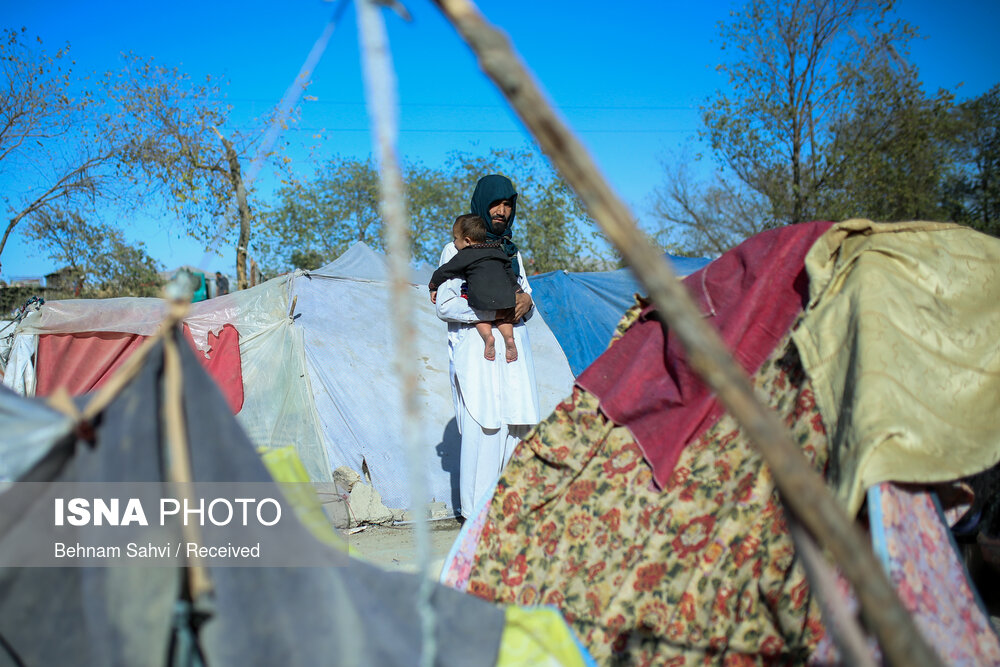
<point>507,331</point>
<point>485,330</point>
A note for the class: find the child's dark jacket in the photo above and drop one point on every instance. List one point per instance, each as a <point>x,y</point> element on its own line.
<point>486,269</point>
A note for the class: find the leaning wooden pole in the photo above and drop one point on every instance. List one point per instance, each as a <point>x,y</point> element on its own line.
<point>803,491</point>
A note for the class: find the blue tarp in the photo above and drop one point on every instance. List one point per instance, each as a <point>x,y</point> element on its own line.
<point>582,309</point>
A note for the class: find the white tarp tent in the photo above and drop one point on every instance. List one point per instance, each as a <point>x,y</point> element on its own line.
<point>361,262</point>
<point>343,309</point>
<point>321,379</point>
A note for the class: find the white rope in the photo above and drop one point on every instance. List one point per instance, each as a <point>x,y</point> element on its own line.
<point>380,96</point>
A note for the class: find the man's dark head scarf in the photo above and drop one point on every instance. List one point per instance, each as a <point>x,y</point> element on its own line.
<point>489,190</point>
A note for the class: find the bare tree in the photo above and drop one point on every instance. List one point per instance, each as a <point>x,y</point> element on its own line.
<point>704,217</point>
<point>173,145</point>
<point>100,145</point>
<point>51,154</point>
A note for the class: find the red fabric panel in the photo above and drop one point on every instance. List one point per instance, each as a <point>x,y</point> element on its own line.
<point>82,362</point>
<point>752,294</point>
<point>223,363</point>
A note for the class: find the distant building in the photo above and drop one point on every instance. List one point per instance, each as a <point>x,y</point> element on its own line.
<point>25,282</point>
<point>66,279</point>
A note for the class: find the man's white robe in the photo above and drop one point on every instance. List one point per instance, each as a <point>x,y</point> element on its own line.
<point>496,403</point>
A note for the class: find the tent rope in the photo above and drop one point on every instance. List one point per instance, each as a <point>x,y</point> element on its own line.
<point>179,460</point>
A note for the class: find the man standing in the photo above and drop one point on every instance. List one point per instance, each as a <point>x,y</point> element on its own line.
<point>221,284</point>
<point>495,404</point>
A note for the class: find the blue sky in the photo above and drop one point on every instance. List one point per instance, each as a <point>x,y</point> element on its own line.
<point>628,77</point>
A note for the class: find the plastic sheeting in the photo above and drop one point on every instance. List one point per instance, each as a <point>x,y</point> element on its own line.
<point>348,335</point>
<point>248,310</point>
<point>362,263</point>
<point>30,428</point>
<point>83,362</point>
<point>19,374</point>
<point>321,379</point>
<point>583,309</point>
<point>277,409</point>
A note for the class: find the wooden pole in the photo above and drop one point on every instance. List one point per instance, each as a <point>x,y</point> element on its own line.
<point>803,491</point>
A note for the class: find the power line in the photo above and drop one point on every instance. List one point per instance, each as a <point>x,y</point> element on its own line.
<point>486,131</point>
<point>268,102</point>
<point>248,129</point>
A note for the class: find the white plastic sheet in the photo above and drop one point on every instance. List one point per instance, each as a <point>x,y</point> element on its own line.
<point>348,343</point>
<point>277,408</point>
<point>29,430</point>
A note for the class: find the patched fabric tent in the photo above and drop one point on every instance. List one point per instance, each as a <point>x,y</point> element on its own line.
<point>582,308</point>
<point>79,344</point>
<point>641,510</point>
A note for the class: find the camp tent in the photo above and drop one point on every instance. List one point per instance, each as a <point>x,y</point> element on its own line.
<point>582,308</point>
<point>344,314</point>
<point>320,377</point>
<point>360,262</point>
<point>641,509</point>
<point>91,336</point>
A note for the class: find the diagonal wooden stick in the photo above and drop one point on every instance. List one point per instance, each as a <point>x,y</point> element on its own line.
<point>803,491</point>
<point>179,473</point>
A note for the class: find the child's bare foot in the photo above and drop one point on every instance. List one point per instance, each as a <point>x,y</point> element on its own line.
<point>491,349</point>
<point>511,349</point>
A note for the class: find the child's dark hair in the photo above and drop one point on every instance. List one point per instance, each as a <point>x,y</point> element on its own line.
<point>473,226</point>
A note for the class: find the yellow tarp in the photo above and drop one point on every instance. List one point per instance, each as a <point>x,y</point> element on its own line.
<point>901,339</point>
<point>287,470</point>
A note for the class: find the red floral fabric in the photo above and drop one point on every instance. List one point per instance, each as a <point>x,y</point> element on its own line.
<point>703,571</point>
<point>751,295</point>
<point>915,546</point>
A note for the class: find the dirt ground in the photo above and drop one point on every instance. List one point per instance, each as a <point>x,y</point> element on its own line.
<point>395,547</point>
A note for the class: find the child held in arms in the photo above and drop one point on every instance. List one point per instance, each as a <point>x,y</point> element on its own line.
<point>491,283</point>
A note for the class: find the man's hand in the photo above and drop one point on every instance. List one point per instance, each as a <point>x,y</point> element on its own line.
<point>434,296</point>
<point>522,304</point>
